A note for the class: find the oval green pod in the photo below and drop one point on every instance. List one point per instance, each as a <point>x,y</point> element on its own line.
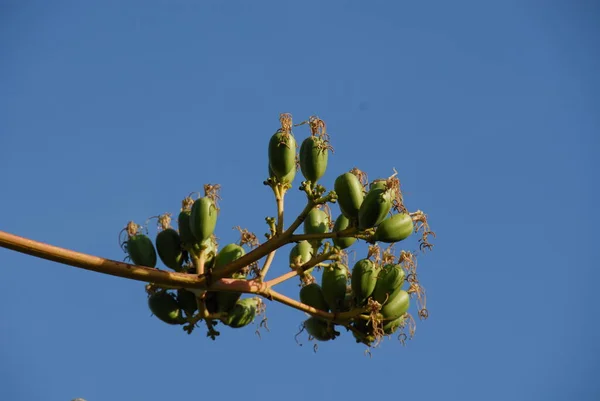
<point>228,254</point>
<point>391,326</point>
<point>333,283</point>
<point>141,250</point>
<point>282,154</point>
<point>397,305</point>
<point>313,158</point>
<point>286,179</point>
<point>301,252</point>
<point>319,329</point>
<point>312,295</point>
<point>164,306</point>
<point>316,222</point>
<point>375,207</point>
<point>389,282</point>
<point>243,313</point>
<point>186,236</point>
<point>350,194</point>
<point>169,248</point>
<point>187,301</point>
<point>394,229</point>
<point>203,218</point>
<point>363,280</point>
<point>342,223</point>
<point>227,300</point>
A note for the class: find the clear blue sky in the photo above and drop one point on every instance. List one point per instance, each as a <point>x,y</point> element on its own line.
<point>114,111</point>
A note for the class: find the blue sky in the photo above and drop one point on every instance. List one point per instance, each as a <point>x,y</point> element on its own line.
<point>114,111</point>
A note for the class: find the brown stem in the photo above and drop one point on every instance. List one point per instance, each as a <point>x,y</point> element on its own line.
<point>98,264</point>
<point>162,277</point>
<point>301,217</point>
<point>266,266</point>
<point>349,232</point>
<point>335,317</point>
<point>308,265</point>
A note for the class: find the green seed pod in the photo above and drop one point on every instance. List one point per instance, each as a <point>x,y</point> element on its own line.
<point>333,283</point>
<point>228,254</point>
<point>227,300</point>
<point>391,326</point>
<point>375,207</point>
<point>169,248</point>
<point>320,329</point>
<point>312,295</point>
<point>389,282</point>
<point>363,280</point>
<point>342,223</point>
<point>348,302</point>
<point>394,229</point>
<point>164,306</point>
<point>286,179</point>
<point>316,222</point>
<point>203,218</point>
<point>243,313</point>
<point>313,158</point>
<point>282,154</point>
<point>187,301</point>
<point>141,250</point>
<point>188,240</point>
<point>304,250</point>
<point>397,305</point>
<point>350,194</point>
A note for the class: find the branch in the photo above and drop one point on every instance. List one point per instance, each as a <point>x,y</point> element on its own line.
<point>161,277</point>
<point>335,317</point>
<point>98,264</point>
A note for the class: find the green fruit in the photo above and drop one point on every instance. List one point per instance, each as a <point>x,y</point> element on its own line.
<point>203,218</point>
<point>397,305</point>
<point>304,250</point>
<point>168,246</point>
<point>394,229</point>
<point>348,302</point>
<point>342,223</point>
<point>313,158</point>
<point>141,250</point>
<point>320,329</point>
<point>350,194</point>
<point>226,300</point>
<point>333,283</point>
<point>282,154</point>
<point>228,254</point>
<point>363,280</point>
<point>187,301</point>
<point>185,232</point>
<point>391,326</point>
<point>312,295</point>
<point>389,282</point>
<point>316,222</point>
<point>243,313</point>
<point>164,306</point>
<point>375,207</point>
<point>286,179</point>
